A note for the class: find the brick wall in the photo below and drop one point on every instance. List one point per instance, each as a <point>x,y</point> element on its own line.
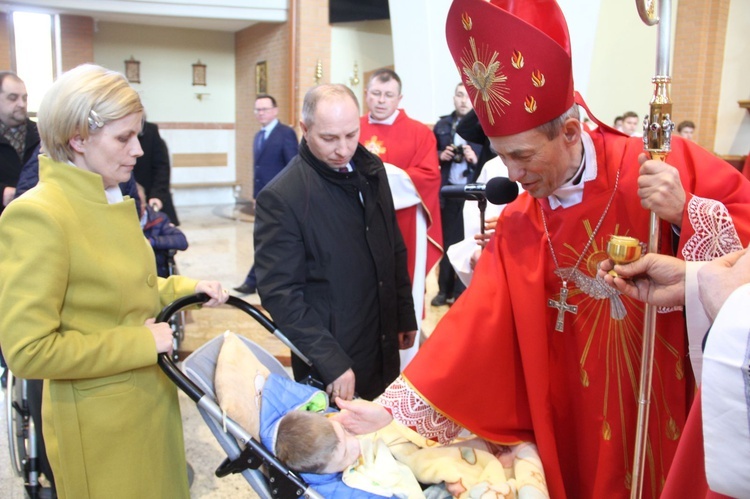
<point>5,57</point>
<point>260,42</point>
<point>272,43</point>
<point>699,39</point>
<point>77,40</point>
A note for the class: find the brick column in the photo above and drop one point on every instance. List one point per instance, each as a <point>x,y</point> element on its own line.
<point>270,42</point>
<point>699,41</point>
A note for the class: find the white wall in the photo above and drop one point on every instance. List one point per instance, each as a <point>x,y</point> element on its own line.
<point>422,58</point>
<point>167,91</point>
<point>733,126</point>
<point>623,61</point>
<point>167,56</point>
<point>368,43</point>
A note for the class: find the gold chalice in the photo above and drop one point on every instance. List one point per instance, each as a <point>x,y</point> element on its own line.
<point>623,249</point>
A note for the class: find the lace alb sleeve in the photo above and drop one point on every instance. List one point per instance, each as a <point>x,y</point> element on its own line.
<point>715,234</point>
<point>411,410</point>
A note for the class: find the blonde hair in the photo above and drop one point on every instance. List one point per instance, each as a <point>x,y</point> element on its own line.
<point>80,102</point>
<point>306,441</point>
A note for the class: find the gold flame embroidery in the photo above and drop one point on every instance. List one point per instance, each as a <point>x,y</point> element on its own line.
<point>484,72</point>
<point>517,60</point>
<point>375,146</point>
<point>466,21</point>
<point>537,78</point>
<point>529,104</point>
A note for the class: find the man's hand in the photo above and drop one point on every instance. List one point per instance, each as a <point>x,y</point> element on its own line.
<point>342,387</point>
<point>489,229</point>
<point>447,154</point>
<point>361,416</point>
<point>655,279</point>
<point>719,278</point>
<point>406,339</point>
<point>469,155</point>
<point>660,189</point>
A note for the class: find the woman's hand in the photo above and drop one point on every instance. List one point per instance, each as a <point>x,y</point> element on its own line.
<point>218,294</point>
<point>162,335</point>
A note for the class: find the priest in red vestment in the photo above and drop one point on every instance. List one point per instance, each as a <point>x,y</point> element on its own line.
<point>398,140</point>
<point>539,348</point>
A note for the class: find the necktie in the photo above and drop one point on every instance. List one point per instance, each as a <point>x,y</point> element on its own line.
<point>343,169</point>
<point>261,139</point>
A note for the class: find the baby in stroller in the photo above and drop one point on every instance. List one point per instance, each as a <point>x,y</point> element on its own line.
<point>295,422</point>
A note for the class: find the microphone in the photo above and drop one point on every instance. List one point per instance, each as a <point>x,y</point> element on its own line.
<point>499,190</point>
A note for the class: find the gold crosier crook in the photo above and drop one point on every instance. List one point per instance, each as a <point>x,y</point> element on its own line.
<point>657,136</point>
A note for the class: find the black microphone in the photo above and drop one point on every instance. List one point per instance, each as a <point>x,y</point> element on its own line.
<point>467,191</point>
<point>499,190</point>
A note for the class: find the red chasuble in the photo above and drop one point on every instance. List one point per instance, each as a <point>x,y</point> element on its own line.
<point>411,146</point>
<point>496,365</point>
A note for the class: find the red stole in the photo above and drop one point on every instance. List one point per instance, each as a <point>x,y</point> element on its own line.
<point>496,365</point>
<point>411,146</point>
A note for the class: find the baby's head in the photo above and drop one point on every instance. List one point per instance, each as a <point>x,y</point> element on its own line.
<point>309,442</point>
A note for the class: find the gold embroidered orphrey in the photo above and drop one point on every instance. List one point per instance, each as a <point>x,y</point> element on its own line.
<point>484,72</point>
<point>562,304</point>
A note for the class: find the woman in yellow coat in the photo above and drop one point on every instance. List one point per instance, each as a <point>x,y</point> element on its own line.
<point>78,297</point>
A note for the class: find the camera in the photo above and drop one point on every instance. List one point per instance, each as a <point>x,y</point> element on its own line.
<point>459,153</point>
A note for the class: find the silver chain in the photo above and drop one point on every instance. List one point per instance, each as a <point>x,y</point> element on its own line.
<point>591,238</point>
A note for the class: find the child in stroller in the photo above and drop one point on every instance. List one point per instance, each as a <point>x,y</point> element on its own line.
<point>294,421</point>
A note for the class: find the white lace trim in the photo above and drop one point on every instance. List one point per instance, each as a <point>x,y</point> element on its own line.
<point>715,234</point>
<point>410,409</point>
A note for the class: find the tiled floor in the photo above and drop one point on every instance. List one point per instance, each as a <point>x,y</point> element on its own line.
<point>221,248</point>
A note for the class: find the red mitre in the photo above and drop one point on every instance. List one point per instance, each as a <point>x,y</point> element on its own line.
<point>514,59</point>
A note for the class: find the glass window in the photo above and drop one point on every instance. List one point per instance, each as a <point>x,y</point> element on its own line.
<point>34,54</point>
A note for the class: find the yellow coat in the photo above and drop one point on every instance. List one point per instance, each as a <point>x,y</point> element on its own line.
<point>77,282</point>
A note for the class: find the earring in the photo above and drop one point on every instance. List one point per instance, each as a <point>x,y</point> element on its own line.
<point>95,121</point>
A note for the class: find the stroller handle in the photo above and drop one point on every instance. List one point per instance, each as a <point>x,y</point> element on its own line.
<point>239,303</point>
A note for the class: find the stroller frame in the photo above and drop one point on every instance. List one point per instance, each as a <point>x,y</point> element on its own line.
<point>22,437</point>
<point>282,482</point>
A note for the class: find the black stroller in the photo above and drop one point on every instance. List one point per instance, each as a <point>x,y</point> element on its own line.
<point>197,380</point>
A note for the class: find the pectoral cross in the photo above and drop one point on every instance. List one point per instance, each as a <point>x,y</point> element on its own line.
<point>562,307</point>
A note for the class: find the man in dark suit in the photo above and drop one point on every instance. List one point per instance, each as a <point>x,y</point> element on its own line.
<point>273,147</point>
<point>152,171</point>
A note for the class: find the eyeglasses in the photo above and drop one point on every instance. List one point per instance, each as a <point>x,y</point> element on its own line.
<point>262,109</point>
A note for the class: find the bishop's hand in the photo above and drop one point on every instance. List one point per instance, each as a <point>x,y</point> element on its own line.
<point>660,189</point>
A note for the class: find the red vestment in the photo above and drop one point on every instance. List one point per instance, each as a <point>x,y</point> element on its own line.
<point>496,366</point>
<point>688,477</point>
<point>411,146</point>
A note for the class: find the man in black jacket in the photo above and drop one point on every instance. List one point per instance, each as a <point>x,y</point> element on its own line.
<point>330,260</point>
<point>18,134</point>
<point>153,172</point>
<point>458,164</point>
